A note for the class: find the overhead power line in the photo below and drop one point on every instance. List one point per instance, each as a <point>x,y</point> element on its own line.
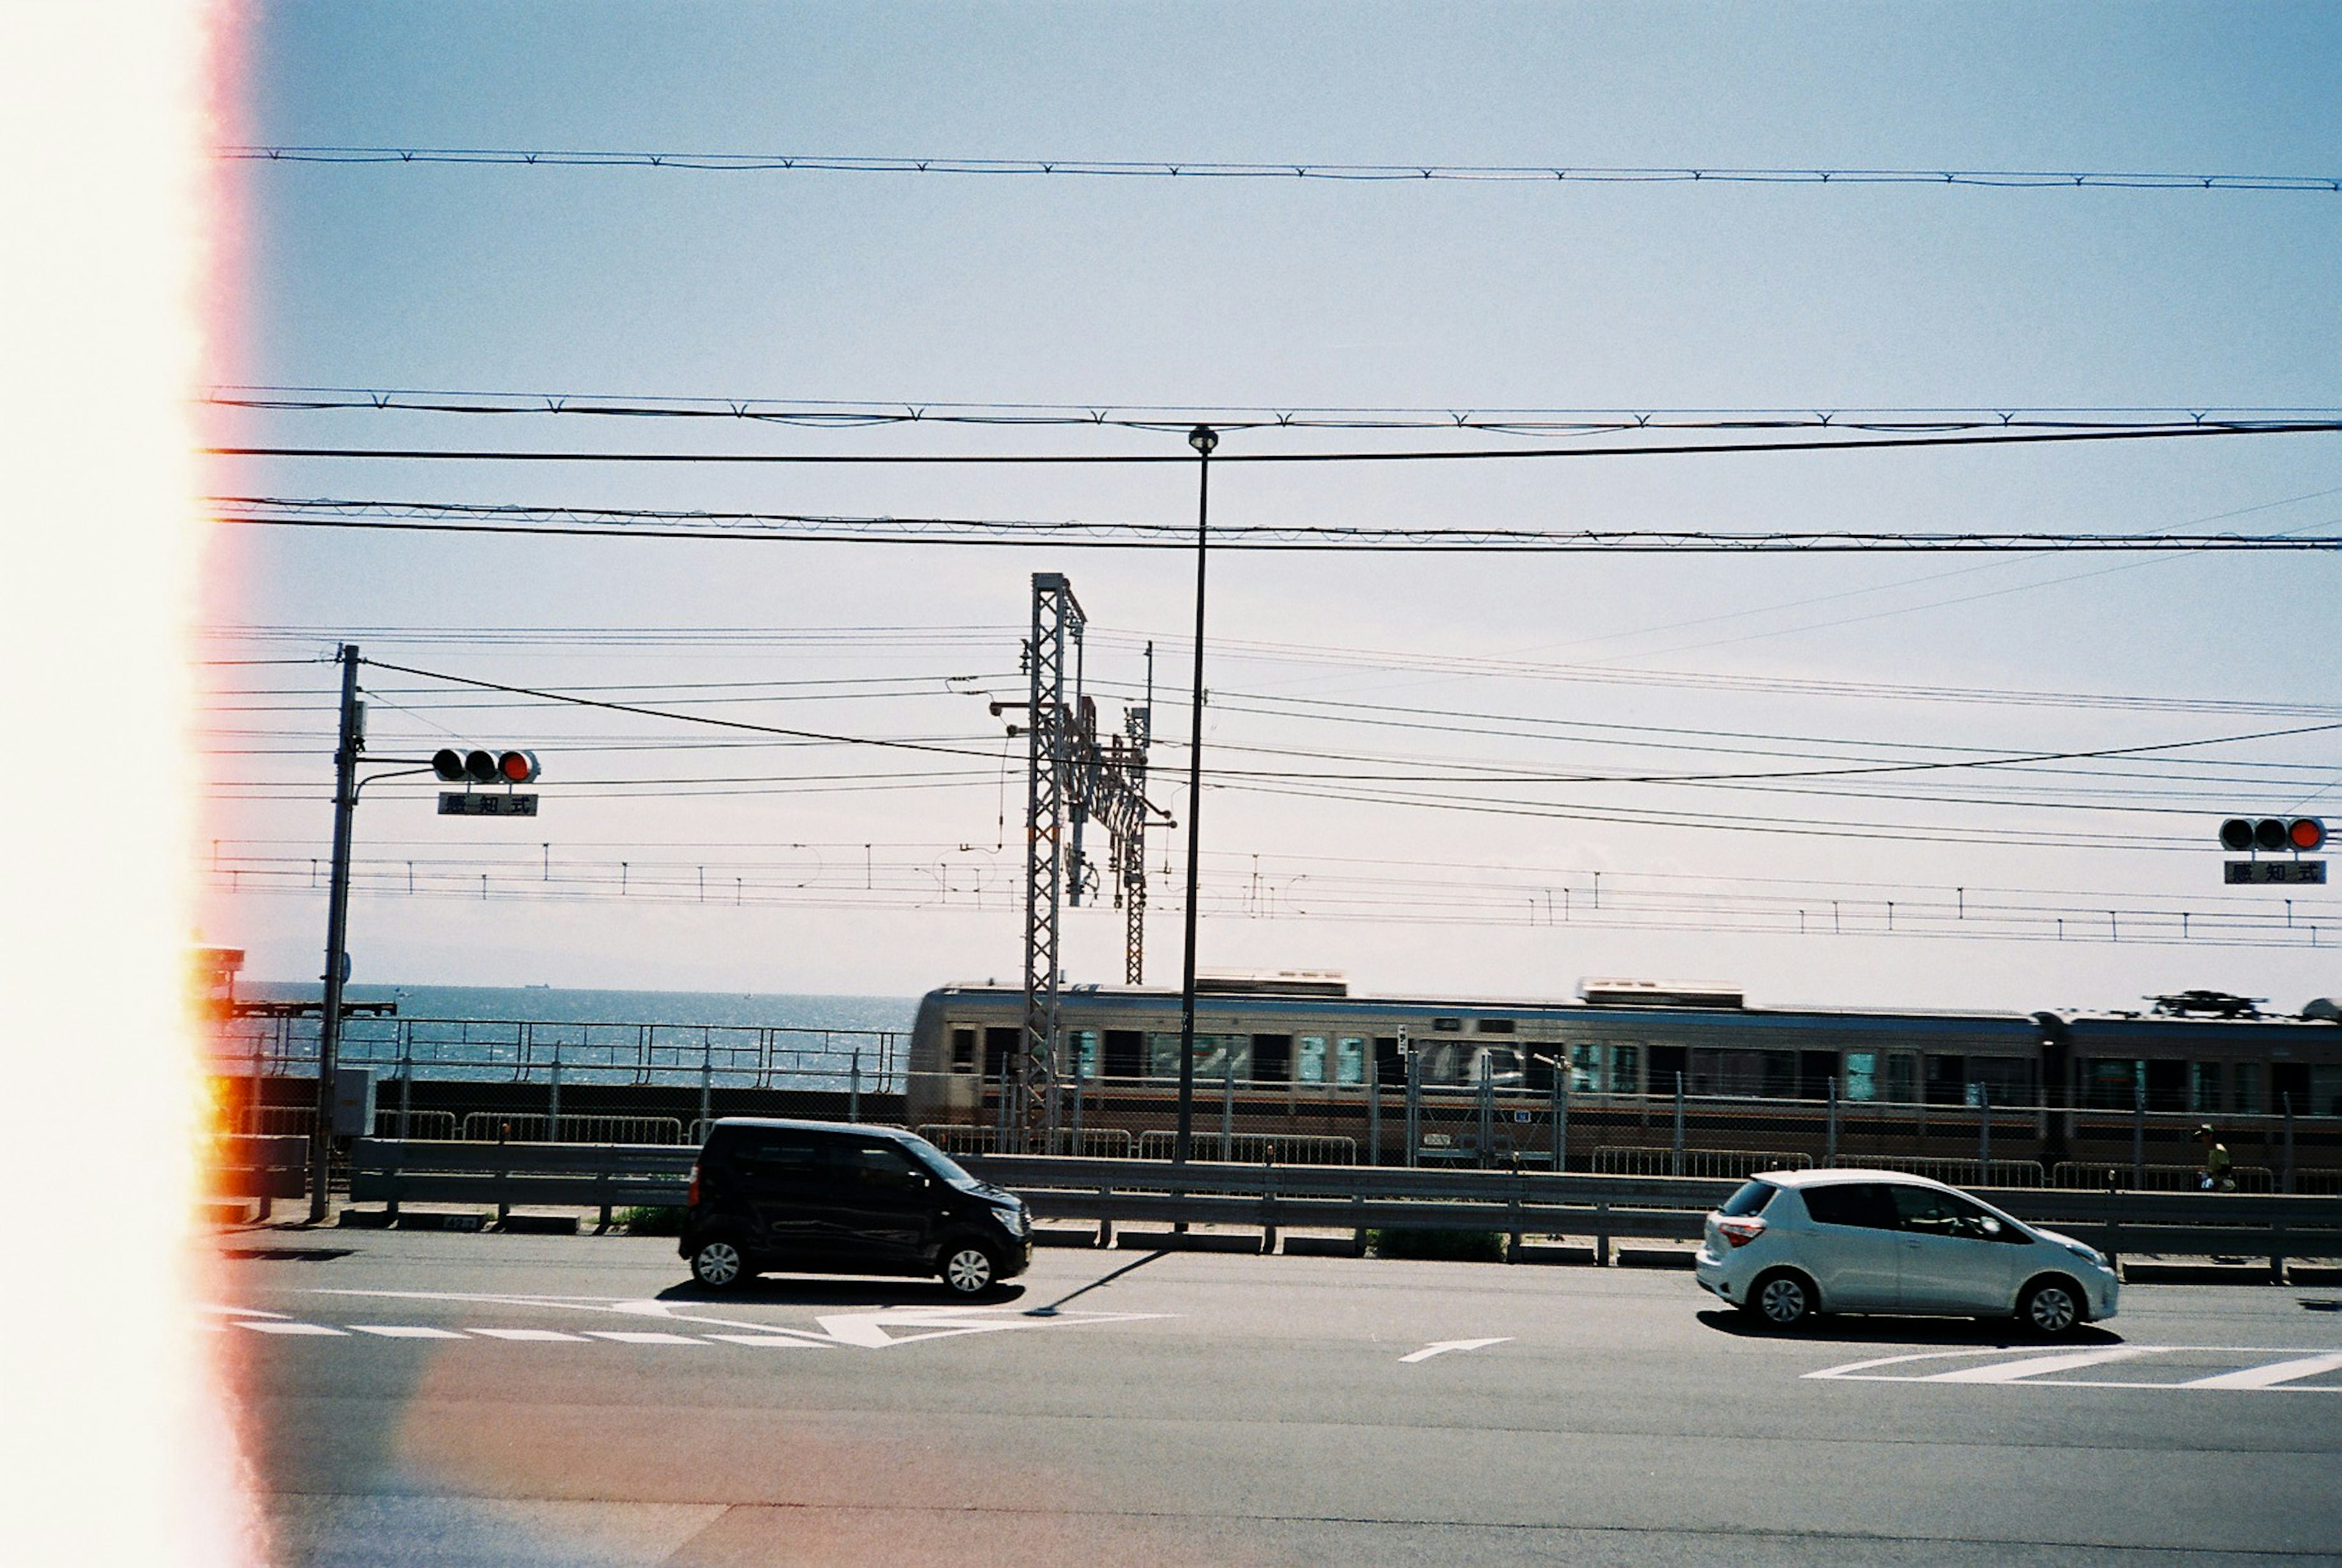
<point>957,459</point>
<point>1299,169</point>
<point>826,413</point>
<point>637,523</point>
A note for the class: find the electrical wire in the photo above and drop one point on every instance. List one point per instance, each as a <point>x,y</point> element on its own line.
<point>1300,169</point>
<point>581,522</point>
<point>830,414</point>
<point>1676,449</point>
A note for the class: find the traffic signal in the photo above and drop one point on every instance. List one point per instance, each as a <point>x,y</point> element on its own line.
<point>481,768</point>
<point>2301,833</point>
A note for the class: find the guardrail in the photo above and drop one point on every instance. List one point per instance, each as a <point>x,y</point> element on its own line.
<point>1738,1164</point>
<point>266,1168</point>
<point>1356,1198</point>
<point>393,1172</point>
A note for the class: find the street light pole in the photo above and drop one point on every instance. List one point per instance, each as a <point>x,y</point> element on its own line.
<point>351,743</point>
<point>1203,438</point>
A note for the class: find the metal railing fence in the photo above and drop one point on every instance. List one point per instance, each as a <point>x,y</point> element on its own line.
<point>521,1051</point>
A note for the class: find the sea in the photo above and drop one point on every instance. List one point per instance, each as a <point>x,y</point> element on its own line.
<point>565,1004</point>
<point>765,1039</point>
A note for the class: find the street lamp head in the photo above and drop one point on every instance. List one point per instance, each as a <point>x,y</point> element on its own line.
<point>1203,438</point>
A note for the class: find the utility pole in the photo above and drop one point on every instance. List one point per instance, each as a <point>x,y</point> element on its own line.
<point>352,741</point>
<point>1203,438</point>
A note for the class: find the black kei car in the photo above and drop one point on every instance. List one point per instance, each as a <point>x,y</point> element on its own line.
<point>832,1197</point>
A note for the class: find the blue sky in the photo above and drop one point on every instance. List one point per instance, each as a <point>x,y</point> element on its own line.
<point>1418,294</point>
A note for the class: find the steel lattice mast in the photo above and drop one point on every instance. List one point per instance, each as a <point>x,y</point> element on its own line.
<point>1070,779</point>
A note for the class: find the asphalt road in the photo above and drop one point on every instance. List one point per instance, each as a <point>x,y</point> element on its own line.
<point>423,1399</point>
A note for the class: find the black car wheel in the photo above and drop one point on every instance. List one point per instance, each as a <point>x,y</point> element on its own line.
<point>969,1270</point>
<point>717,1265</point>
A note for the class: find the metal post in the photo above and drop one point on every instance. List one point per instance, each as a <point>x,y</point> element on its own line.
<point>1676,1160</point>
<point>1203,438</point>
<point>1227,1104</point>
<point>346,747</point>
<point>405,1083</point>
<point>1415,1106</point>
<point>1374,1100</point>
<point>553,1099</point>
<point>1488,1108</point>
<point>854,1087</point>
<point>1983,1135</point>
<point>2285,1103</point>
<point>1080,1073</point>
<point>1830,1135</point>
<point>1561,1109</point>
<point>2137,1135</point>
<point>707,1078</point>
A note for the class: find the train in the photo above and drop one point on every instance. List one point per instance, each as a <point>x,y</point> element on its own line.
<point>1296,1056</point>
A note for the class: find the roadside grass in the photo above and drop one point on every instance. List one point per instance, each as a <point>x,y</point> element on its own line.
<point>1439,1246</point>
<point>650,1220</point>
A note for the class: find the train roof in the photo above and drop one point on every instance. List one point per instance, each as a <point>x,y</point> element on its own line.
<point>1499,1005</point>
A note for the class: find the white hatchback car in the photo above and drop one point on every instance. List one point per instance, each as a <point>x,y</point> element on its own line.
<point>1791,1244</point>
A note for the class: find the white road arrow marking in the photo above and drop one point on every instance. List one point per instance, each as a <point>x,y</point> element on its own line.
<point>864,1331</point>
<point>1441,1347</point>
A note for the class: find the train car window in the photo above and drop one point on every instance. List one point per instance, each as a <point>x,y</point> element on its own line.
<point>1390,1067</point>
<point>1861,1081</point>
<point>1350,1059</point>
<point>1126,1054</point>
<point>1626,1070</point>
<point>963,1047</point>
<point>2244,1089</point>
<point>1081,1045</point>
<point>2325,1091</point>
<point>1948,1079</point>
<point>1309,1058</point>
<point>1213,1054</point>
<point>1494,1026</point>
<point>1447,1027</point>
<point>2007,1080</point>
<point>2288,1088</point>
<point>2167,1085</point>
<point>1588,1073</point>
<point>2203,1087</point>
<point>2112,1082</point>
<point>1000,1047</point>
<point>1814,1069</point>
<point>1902,1083</point>
<point>1667,1066</point>
<point>1272,1058</point>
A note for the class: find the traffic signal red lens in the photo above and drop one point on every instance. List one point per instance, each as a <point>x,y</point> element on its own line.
<point>517,767</point>
<point>2306,832</point>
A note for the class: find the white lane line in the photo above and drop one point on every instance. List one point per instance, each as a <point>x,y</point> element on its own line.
<point>778,1342</point>
<point>1441,1347</point>
<point>532,1334</point>
<point>240,1311</point>
<point>2040,1366</point>
<point>632,1336</point>
<point>258,1326</point>
<point>2274,1373</point>
<point>405,1331</point>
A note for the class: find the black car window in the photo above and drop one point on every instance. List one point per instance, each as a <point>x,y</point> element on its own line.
<point>776,1157</point>
<point>877,1165</point>
<point>1862,1204</point>
<point>1928,1213</point>
<point>1749,1200</point>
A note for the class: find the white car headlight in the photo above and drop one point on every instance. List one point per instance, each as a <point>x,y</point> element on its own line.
<point>1015,1221</point>
<point>2088,1255</point>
